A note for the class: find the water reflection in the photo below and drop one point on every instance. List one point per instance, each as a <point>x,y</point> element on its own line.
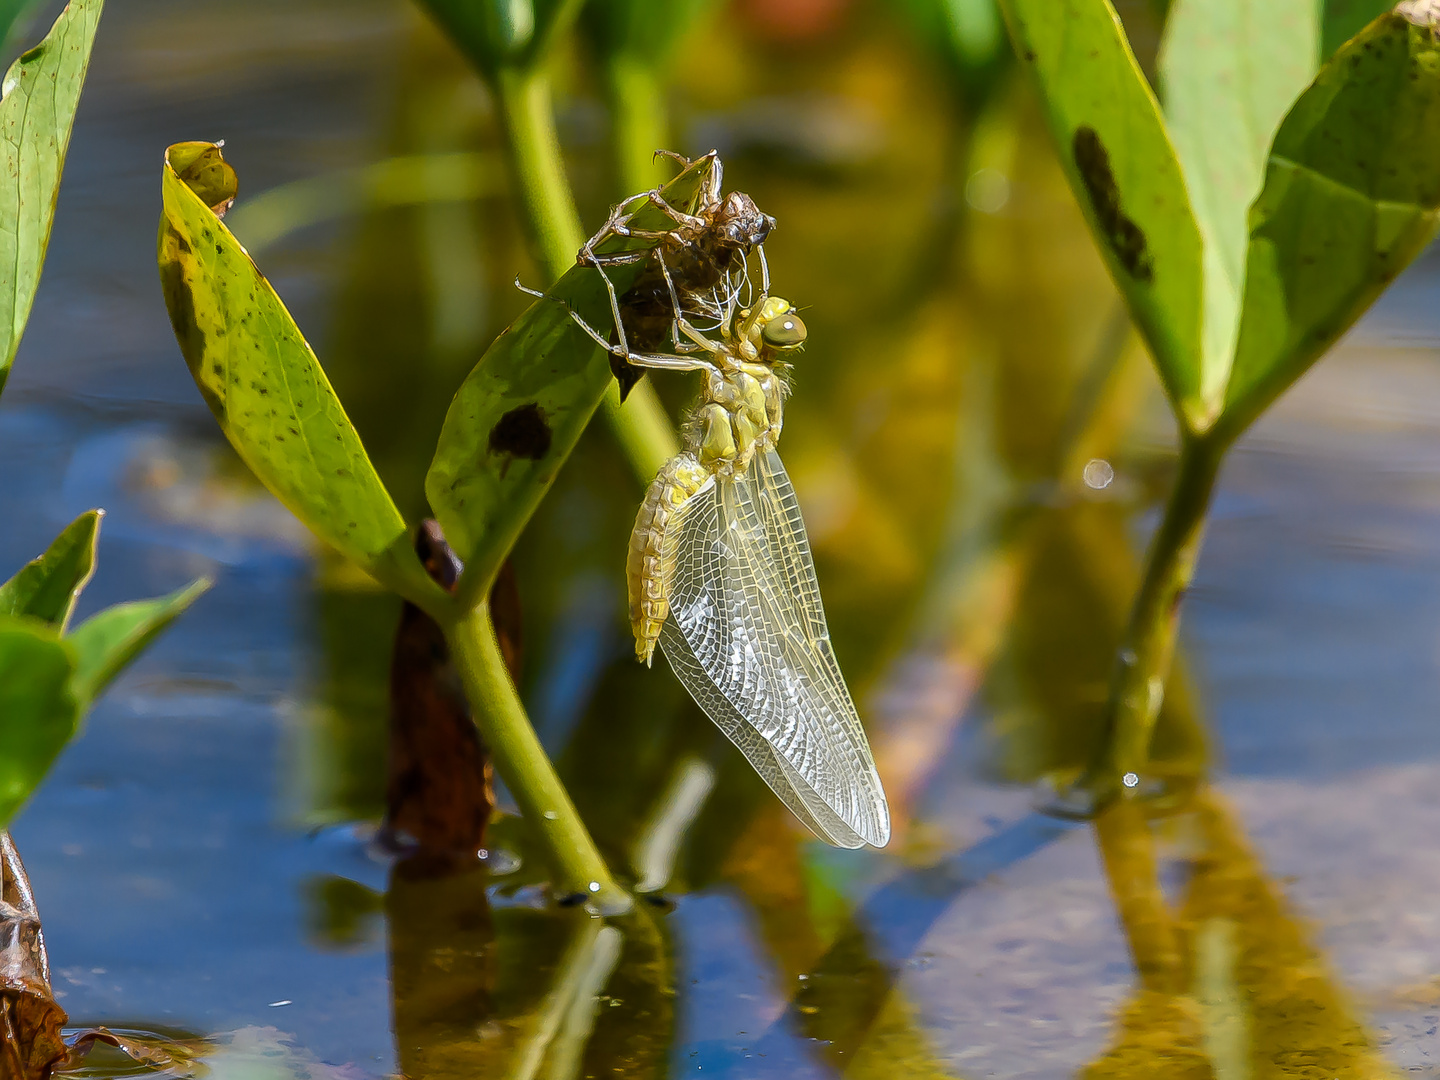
<point>967,367</point>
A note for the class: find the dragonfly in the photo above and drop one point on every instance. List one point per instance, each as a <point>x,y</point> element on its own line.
<point>691,270</point>
<point>721,577</point>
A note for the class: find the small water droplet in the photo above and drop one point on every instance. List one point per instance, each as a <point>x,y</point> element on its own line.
<point>1098,474</point>
<point>1130,780</point>
<point>594,886</point>
<point>987,190</point>
<point>551,815</point>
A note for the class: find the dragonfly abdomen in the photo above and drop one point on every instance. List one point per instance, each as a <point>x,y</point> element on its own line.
<point>650,566</point>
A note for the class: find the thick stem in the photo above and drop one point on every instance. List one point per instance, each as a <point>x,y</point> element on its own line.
<point>527,113</point>
<point>1137,686</point>
<point>637,110</point>
<point>522,764</point>
<point>641,427</point>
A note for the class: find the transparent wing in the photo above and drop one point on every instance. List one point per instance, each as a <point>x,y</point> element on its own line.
<point>747,637</point>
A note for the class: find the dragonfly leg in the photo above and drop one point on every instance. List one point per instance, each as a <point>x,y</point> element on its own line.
<point>663,361</point>
<point>650,565</point>
<point>614,225</point>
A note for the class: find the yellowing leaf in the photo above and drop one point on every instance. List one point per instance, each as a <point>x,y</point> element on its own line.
<point>265,385</point>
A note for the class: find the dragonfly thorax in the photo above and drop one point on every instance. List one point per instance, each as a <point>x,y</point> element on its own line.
<point>740,414</point>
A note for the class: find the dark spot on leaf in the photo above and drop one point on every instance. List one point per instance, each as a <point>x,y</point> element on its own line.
<point>522,432</point>
<point>1030,56</point>
<point>573,900</point>
<point>1125,237</point>
<point>181,304</point>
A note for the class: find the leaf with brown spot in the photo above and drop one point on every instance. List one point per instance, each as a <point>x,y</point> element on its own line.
<point>529,398</point>
<point>1125,175</point>
<point>1351,197</point>
<point>263,382</point>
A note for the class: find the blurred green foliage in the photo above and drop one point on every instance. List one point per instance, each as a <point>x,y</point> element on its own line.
<point>49,674</point>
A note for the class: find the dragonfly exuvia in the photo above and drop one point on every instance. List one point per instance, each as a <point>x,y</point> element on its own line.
<point>720,572</point>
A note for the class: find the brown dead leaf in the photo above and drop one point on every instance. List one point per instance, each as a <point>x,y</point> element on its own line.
<point>30,1020</point>
<point>155,1052</point>
<point>439,791</point>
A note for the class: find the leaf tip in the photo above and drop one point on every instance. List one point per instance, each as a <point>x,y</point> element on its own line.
<point>202,168</point>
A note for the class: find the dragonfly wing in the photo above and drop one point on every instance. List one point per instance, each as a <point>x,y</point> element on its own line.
<point>747,637</point>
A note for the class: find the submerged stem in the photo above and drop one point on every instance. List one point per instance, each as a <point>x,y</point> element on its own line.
<point>641,427</point>
<point>1142,666</point>
<point>524,767</point>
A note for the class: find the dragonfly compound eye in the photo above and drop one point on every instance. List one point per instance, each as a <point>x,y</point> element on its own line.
<point>784,331</point>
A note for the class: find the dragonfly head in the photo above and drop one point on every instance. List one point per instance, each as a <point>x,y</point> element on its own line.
<point>739,224</point>
<point>770,326</point>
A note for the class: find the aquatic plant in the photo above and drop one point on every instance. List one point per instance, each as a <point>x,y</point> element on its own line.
<point>511,44</point>
<point>1249,216</point>
<point>512,423</point>
<point>50,672</point>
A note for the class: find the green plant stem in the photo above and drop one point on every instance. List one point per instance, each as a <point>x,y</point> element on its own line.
<point>637,110</point>
<point>527,113</point>
<point>1137,687</point>
<point>641,427</point>
<point>525,768</point>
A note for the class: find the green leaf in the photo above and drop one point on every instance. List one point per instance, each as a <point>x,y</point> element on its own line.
<point>521,410</point>
<point>47,588</point>
<point>264,384</point>
<point>1229,70</point>
<point>41,91</point>
<point>503,33</point>
<point>38,709</point>
<point>967,34</point>
<point>1125,175</point>
<point>106,643</point>
<point>15,15</point>
<point>1345,18</point>
<point>648,30</point>
<point>1352,195</point>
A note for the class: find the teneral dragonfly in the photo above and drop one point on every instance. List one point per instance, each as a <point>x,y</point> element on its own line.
<point>720,574</point>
